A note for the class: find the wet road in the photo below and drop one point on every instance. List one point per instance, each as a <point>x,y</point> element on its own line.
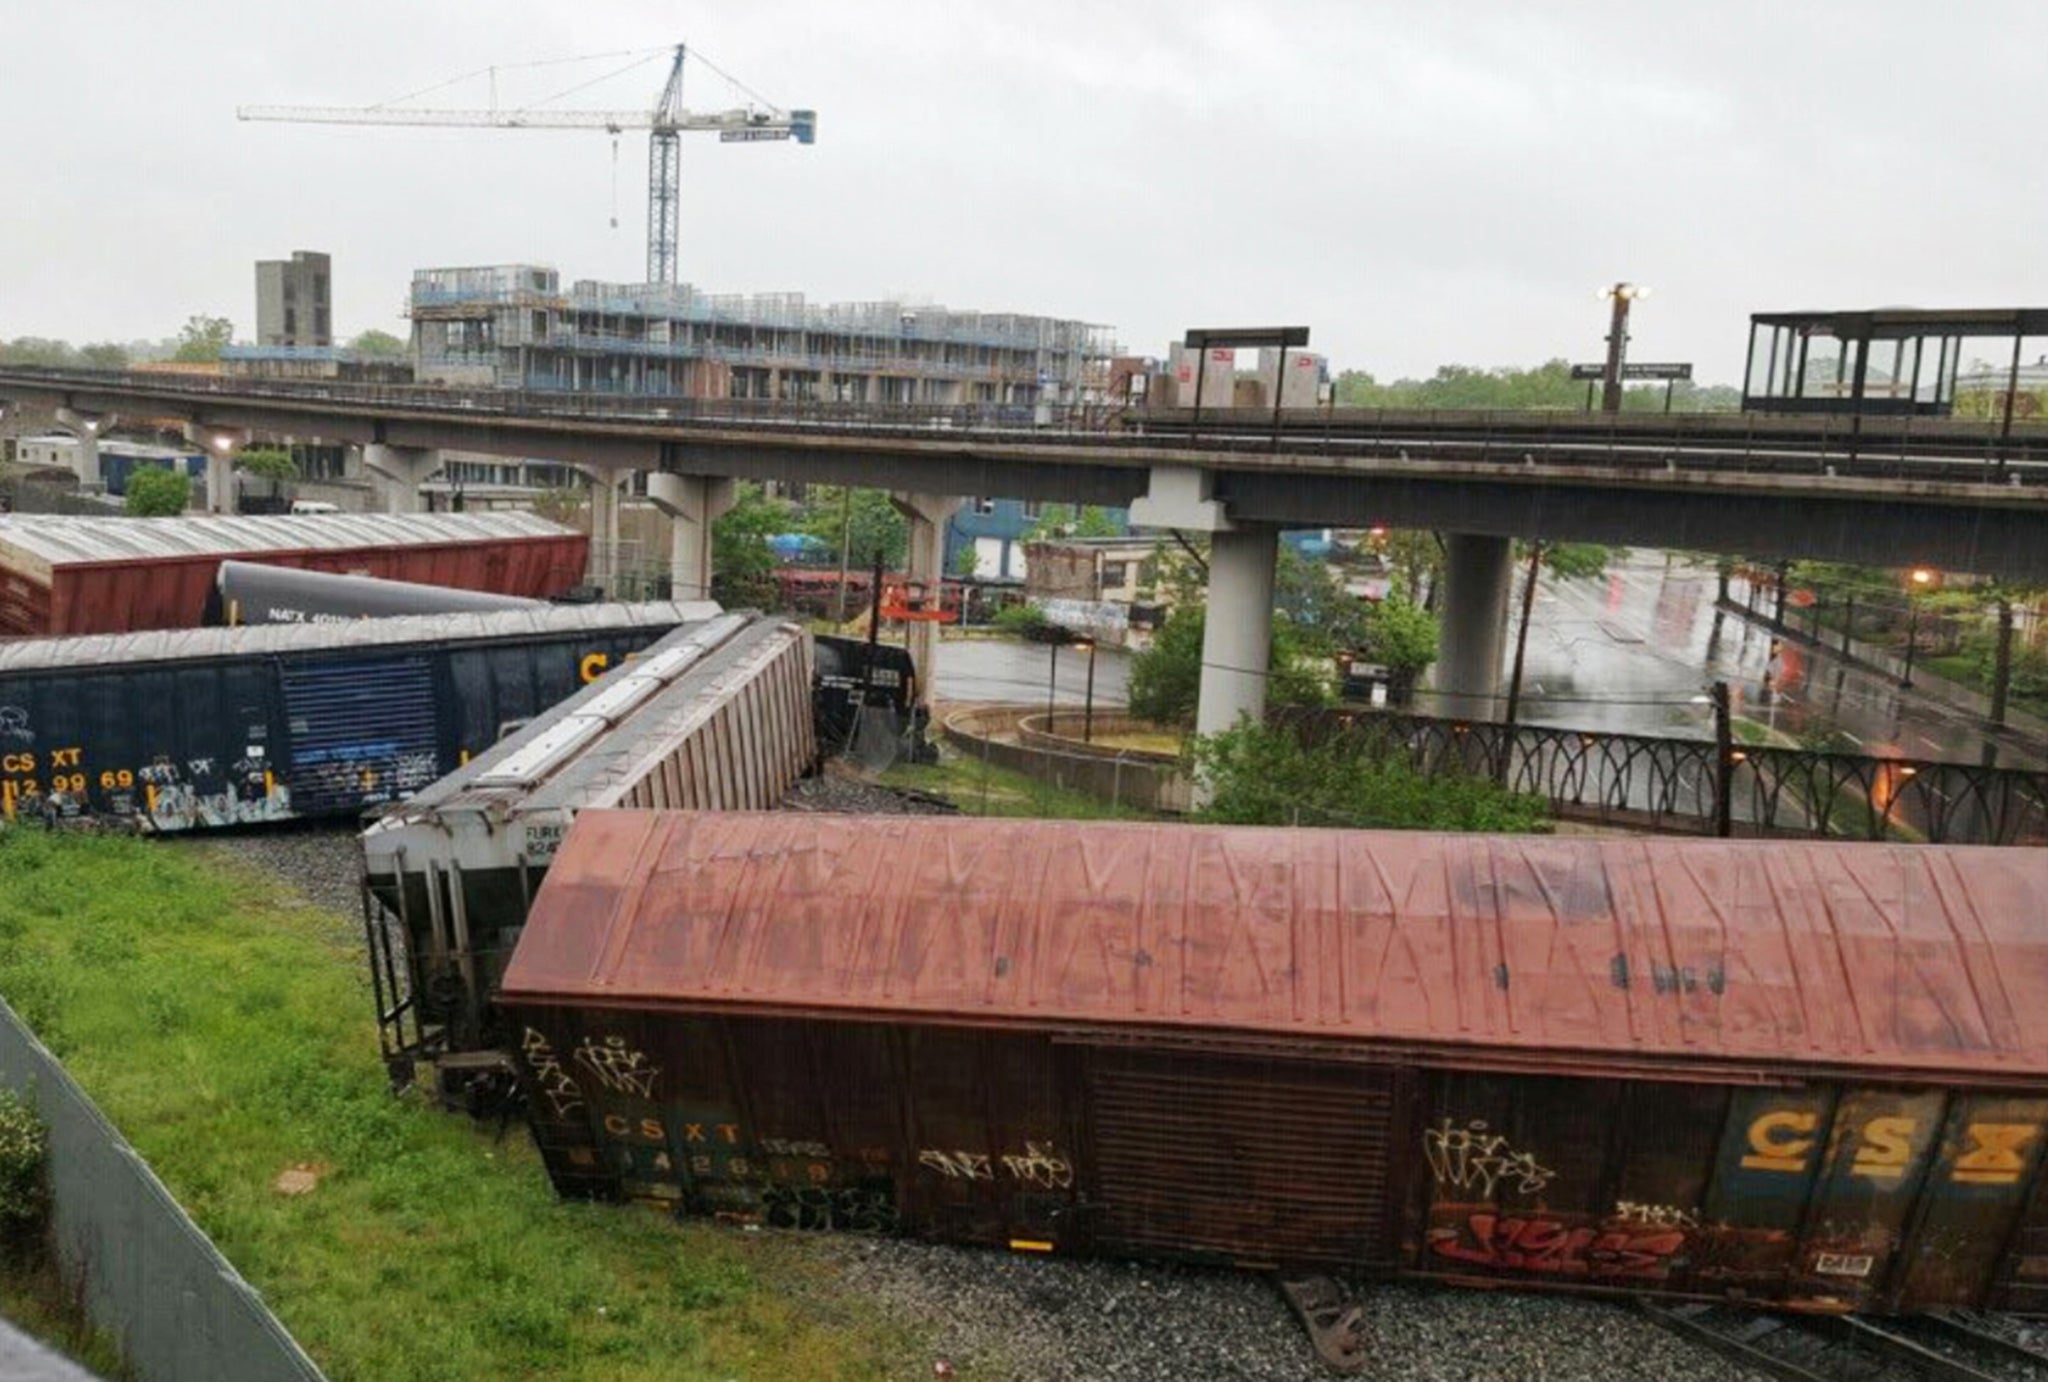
<point>1637,649</point>
<point>977,669</point>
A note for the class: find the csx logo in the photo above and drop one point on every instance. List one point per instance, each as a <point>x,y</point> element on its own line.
<point>593,666</point>
<point>1991,1154</point>
<point>17,762</point>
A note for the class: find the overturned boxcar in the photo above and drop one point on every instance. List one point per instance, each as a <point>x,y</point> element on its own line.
<point>717,715</point>
<point>1811,1075</point>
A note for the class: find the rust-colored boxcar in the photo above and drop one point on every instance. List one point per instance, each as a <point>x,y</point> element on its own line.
<point>1807,1074</point>
<point>64,575</point>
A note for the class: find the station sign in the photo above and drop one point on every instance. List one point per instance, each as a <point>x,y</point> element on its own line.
<point>1631,371</point>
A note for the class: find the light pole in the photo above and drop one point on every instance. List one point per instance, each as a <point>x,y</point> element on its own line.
<point>1088,697</point>
<point>1922,578</point>
<point>1621,295</point>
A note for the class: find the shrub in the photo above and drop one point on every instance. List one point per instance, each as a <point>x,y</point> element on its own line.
<point>1270,775</point>
<point>158,492</point>
<point>1021,621</point>
<point>24,1150</point>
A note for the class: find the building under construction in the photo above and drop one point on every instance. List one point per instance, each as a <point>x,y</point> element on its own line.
<point>514,327</point>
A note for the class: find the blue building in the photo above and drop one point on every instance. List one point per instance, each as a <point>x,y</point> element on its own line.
<point>995,528</point>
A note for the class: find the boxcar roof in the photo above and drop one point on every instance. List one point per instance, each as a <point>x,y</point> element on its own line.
<point>1732,958</point>
<point>250,640</point>
<point>73,541</point>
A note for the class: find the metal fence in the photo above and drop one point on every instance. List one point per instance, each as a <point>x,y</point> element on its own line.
<point>1657,783</point>
<point>148,1276</point>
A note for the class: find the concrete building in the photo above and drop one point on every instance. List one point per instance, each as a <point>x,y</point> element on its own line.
<point>294,303</point>
<point>117,460</point>
<point>515,327</point>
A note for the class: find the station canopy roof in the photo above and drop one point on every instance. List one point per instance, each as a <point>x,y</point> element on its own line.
<point>1670,958</point>
<point>59,540</point>
<point>1905,323</point>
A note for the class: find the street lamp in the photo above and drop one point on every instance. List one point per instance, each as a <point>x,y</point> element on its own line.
<point>1921,578</point>
<point>1621,295</point>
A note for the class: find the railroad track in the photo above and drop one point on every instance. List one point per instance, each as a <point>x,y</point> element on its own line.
<point>1950,1347</point>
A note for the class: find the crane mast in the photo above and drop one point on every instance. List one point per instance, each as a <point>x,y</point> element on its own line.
<point>666,123</point>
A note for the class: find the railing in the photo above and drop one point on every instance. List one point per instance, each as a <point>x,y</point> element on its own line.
<point>1650,782</point>
<point>1945,449</point>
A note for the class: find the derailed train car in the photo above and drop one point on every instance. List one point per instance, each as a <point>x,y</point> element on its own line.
<point>1808,1075</point>
<point>196,728</point>
<point>718,715</point>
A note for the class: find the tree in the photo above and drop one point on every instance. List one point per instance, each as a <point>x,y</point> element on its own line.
<point>270,462</point>
<point>742,563</point>
<point>1399,635</point>
<point>1166,678</point>
<point>202,338</point>
<point>870,522</point>
<point>966,561</point>
<point>1548,385</point>
<point>1060,520</point>
<point>158,492</point>
<point>103,355</point>
<point>378,345</point>
<point>1274,775</point>
<point>1327,618</point>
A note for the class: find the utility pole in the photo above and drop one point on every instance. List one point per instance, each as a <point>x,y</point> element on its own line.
<point>1724,763</point>
<point>1507,745</point>
<point>1621,295</point>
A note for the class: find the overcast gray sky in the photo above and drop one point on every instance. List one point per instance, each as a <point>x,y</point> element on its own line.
<point>1419,183</point>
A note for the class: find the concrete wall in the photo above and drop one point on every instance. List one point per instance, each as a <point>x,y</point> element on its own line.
<point>148,1276</point>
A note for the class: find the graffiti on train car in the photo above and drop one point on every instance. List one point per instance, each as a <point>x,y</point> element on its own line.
<point>1475,1161</point>
<point>842,1208</point>
<point>1557,1245</point>
<point>620,1068</point>
<point>1039,1165</point>
<point>555,1083</point>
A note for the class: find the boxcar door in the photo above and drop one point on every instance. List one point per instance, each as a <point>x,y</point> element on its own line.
<point>1258,1162</point>
<point>362,732</point>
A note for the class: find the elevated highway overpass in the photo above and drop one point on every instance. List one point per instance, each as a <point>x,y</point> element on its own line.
<point>1959,495</point>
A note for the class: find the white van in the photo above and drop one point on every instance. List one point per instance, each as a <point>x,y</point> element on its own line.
<point>314,506</point>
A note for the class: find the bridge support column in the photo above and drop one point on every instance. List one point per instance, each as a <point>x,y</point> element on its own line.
<point>402,469</point>
<point>928,515</point>
<point>1478,576</point>
<point>692,503</point>
<point>220,445</point>
<point>603,570</point>
<point>1237,631</point>
<point>88,428</point>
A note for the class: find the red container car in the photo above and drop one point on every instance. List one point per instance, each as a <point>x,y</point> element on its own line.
<point>66,575</point>
<point>1795,1073</point>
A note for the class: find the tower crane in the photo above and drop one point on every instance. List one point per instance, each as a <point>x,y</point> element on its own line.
<point>666,122</point>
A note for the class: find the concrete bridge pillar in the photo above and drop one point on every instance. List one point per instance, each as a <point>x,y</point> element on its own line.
<point>603,571</point>
<point>88,428</point>
<point>928,515</point>
<point>692,503</point>
<point>1478,577</point>
<point>1237,633</point>
<point>221,445</point>
<point>402,469</point>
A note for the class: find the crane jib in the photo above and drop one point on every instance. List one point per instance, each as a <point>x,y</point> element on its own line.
<point>747,136</point>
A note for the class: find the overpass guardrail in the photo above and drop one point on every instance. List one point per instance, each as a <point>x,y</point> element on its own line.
<point>1950,449</point>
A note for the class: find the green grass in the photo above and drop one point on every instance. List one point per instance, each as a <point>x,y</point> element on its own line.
<point>228,1035</point>
<point>36,1300</point>
<point>980,789</point>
